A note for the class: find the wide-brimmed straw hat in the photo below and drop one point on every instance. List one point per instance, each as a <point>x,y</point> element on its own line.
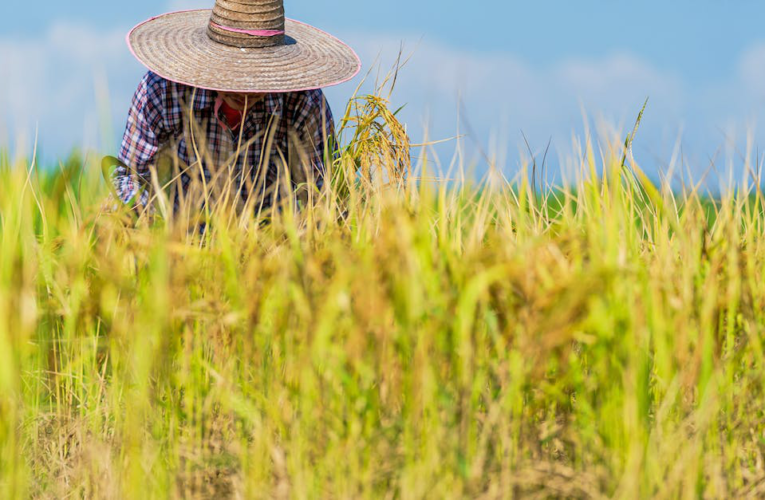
<point>242,46</point>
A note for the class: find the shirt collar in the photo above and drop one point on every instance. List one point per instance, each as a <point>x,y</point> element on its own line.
<point>274,103</point>
<point>204,99</point>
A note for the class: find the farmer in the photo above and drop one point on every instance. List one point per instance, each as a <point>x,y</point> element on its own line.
<point>232,98</point>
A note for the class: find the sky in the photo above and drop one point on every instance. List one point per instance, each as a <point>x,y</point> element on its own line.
<point>493,71</point>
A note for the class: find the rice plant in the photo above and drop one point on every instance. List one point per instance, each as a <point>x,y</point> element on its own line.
<point>394,339</point>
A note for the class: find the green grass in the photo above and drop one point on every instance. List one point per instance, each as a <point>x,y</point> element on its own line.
<point>396,340</point>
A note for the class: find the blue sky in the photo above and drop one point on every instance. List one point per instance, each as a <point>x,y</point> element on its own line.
<point>528,66</point>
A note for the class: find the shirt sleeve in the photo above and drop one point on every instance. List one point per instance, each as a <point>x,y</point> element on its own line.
<point>315,128</point>
<point>145,133</point>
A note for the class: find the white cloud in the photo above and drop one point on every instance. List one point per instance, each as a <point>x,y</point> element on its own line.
<point>504,89</point>
<point>751,73</point>
<point>51,80</point>
<point>504,93</point>
<point>607,81</point>
<point>751,66</point>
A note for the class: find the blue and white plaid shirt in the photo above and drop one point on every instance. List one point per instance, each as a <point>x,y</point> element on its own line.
<point>159,118</point>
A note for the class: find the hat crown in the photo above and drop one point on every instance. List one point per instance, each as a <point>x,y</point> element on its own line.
<point>247,23</point>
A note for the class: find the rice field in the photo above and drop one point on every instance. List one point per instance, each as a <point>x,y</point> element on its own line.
<point>402,337</point>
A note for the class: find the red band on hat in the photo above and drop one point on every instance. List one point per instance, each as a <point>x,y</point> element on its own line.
<point>266,33</point>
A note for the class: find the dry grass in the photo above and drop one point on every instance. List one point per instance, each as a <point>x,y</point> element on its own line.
<point>398,339</point>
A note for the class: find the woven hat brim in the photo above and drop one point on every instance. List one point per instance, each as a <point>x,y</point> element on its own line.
<point>176,47</point>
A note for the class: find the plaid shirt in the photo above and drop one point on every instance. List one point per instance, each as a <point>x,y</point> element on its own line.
<point>159,120</point>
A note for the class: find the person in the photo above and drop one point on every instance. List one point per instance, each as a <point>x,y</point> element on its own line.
<point>232,103</point>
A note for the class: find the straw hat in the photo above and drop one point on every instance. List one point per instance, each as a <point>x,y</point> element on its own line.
<point>242,46</point>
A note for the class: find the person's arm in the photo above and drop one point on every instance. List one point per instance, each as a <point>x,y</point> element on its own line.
<point>316,143</point>
<point>145,133</point>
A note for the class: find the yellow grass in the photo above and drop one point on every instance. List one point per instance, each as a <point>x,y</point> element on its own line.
<point>397,339</point>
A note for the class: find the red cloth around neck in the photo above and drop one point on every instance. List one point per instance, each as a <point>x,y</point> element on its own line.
<point>233,116</point>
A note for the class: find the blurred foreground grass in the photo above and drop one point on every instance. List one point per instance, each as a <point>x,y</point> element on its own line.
<point>398,340</point>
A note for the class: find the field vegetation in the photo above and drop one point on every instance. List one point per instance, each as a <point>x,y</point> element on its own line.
<point>402,337</point>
